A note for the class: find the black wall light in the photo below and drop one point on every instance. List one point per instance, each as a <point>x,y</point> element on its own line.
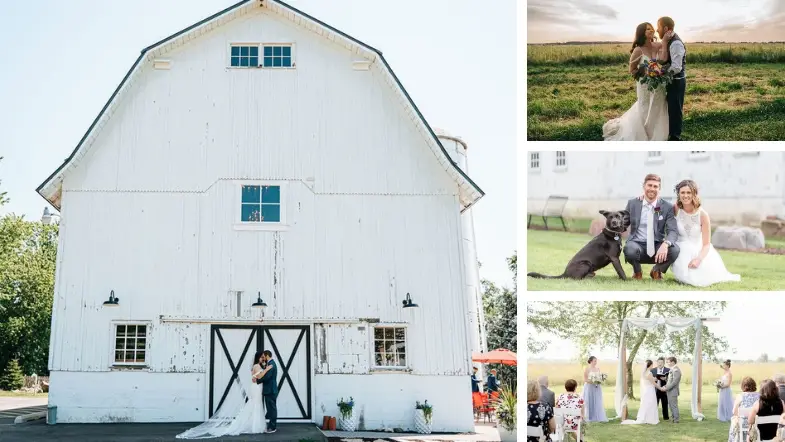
<point>408,303</point>
<point>259,303</point>
<point>113,300</point>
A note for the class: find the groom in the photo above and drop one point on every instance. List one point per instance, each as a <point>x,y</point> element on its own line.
<point>270,391</point>
<point>675,63</point>
<point>653,231</point>
<point>671,388</point>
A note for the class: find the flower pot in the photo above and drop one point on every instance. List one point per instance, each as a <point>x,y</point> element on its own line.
<point>326,423</point>
<point>348,423</point>
<point>331,424</point>
<point>420,424</point>
<point>507,436</point>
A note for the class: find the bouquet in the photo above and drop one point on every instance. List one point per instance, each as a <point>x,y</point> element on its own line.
<point>597,378</point>
<point>652,74</point>
<point>718,384</point>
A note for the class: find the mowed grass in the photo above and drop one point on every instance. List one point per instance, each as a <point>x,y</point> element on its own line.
<point>689,430</point>
<point>548,252</point>
<point>732,96</point>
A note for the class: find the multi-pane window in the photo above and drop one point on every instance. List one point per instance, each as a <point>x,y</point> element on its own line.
<point>245,56</point>
<point>389,347</point>
<point>261,204</point>
<point>655,154</point>
<point>277,56</point>
<point>130,345</point>
<point>561,158</point>
<point>534,160</point>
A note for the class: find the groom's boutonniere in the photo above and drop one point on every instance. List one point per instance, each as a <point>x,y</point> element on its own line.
<point>657,212</point>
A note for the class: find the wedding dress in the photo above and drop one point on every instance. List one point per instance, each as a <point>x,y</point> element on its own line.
<point>711,270</point>
<point>646,120</point>
<point>647,413</point>
<point>245,417</point>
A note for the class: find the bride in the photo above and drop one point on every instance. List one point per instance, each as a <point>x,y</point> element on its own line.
<point>698,263</point>
<point>647,414</point>
<point>647,119</point>
<point>247,417</point>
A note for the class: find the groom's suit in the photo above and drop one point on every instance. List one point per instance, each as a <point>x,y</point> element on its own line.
<point>676,63</point>
<point>661,375</point>
<point>270,394</point>
<point>672,390</point>
<point>664,229</point>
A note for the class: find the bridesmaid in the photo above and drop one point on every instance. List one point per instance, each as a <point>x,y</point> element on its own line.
<point>592,395</point>
<point>725,405</point>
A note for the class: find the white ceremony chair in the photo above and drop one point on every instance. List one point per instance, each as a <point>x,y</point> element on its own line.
<point>766,420</point>
<point>744,425</point>
<point>535,432</point>
<point>561,415</point>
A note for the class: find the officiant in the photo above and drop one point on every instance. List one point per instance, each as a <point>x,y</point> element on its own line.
<point>661,374</point>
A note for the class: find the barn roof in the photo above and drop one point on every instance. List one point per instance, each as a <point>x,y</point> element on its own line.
<point>51,188</point>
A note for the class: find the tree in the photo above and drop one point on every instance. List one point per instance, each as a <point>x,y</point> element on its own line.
<point>3,198</point>
<point>12,379</point>
<point>27,269</point>
<point>501,319</point>
<point>764,358</point>
<point>598,324</point>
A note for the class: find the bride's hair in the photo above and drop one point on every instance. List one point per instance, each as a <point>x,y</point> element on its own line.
<point>696,201</point>
<point>640,36</point>
<point>649,363</point>
<point>256,358</point>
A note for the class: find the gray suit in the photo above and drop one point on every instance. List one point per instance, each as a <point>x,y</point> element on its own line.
<point>664,229</point>
<point>672,389</point>
<point>547,396</point>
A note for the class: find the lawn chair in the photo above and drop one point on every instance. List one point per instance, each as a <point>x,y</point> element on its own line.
<point>535,432</point>
<point>554,208</point>
<point>481,406</point>
<point>561,414</point>
<point>763,420</point>
<point>744,426</point>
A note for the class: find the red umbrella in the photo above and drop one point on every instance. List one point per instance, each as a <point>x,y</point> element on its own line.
<point>498,356</point>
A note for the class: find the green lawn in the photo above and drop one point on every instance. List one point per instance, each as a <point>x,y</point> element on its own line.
<point>4,393</point>
<point>549,251</point>
<point>688,430</point>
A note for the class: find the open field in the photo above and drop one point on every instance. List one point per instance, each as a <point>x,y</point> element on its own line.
<point>734,91</point>
<point>688,430</point>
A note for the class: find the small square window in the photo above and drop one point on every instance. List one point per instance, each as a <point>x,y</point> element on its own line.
<point>245,56</point>
<point>277,56</point>
<point>389,347</point>
<point>130,344</point>
<point>260,204</point>
<point>534,160</point>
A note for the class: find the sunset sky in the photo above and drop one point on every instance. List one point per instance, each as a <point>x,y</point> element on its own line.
<point>552,21</point>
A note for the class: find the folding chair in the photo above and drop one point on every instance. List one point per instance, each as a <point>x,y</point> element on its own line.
<point>763,420</point>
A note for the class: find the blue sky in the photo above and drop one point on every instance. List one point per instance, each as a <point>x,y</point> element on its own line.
<point>63,59</point>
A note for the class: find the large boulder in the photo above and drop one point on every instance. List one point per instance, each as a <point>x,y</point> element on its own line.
<point>772,227</point>
<point>597,224</point>
<point>738,238</point>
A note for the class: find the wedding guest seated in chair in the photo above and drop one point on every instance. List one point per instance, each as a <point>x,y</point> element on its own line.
<point>540,414</point>
<point>571,399</point>
<point>745,399</point>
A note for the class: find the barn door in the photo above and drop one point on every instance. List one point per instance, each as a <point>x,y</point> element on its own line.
<point>232,349</point>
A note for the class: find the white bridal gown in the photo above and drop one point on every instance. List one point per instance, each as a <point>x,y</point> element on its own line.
<point>712,270</point>
<point>646,120</point>
<point>243,418</point>
<point>647,414</point>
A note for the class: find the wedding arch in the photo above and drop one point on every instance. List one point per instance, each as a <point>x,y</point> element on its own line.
<point>671,325</point>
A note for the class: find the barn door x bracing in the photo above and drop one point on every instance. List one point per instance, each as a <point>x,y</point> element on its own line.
<point>232,349</point>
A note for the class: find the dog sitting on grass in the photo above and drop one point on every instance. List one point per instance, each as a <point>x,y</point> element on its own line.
<point>604,249</point>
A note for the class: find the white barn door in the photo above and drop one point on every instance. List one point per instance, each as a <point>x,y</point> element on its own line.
<point>232,348</point>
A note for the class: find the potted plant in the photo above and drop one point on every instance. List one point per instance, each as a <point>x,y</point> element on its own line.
<point>423,415</point>
<point>506,415</point>
<point>347,422</point>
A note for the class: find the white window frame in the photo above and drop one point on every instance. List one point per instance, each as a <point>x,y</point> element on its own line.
<point>261,54</point>
<point>385,368</point>
<point>539,161</point>
<point>239,224</point>
<point>698,155</point>
<point>746,153</point>
<point>556,166</point>
<point>654,159</point>
<point>113,345</point>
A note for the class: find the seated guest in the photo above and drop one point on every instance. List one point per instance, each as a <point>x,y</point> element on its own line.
<point>769,404</point>
<point>745,399</point>
<point>540,414</point>
<point>780,380</point>
<point>571,399</point>
<point>546,395</point>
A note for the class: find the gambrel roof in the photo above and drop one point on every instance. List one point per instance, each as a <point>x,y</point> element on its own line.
<point>51,188</point>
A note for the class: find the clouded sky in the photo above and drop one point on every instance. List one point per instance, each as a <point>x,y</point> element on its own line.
<point>696,20</point>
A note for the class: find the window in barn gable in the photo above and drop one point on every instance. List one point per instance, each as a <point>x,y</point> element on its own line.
<point>389,347</point>
<point>273,55</point>
<point>245,56</point>
<point>278,56</point>
<point>261,204</point>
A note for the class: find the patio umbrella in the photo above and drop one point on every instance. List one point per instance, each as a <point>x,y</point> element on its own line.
<point>498,356</point>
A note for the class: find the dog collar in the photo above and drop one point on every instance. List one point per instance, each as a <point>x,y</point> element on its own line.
<point>616,234</point>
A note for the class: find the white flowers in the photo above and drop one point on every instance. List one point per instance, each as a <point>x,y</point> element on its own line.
<point>597,378</point>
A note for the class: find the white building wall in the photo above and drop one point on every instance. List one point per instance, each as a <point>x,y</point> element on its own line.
<point>734,186</point>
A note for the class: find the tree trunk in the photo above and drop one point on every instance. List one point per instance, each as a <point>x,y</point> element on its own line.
<point>630,393</point>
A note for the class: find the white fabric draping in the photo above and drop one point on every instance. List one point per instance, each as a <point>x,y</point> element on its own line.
<point>671,325</point>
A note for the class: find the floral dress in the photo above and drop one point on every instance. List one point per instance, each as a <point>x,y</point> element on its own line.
<point>748,399</point>
<point>571,400</point>
<point>539,415</point>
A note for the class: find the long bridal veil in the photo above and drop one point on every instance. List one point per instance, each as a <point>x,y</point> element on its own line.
<point>220,424</point>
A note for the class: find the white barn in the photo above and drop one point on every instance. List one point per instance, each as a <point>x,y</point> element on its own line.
<point>735,187</point>
<point>261,153</point>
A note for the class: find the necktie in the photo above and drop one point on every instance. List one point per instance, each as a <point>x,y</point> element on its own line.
<point>650,232</point>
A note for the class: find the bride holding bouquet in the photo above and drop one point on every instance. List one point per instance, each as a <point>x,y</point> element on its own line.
<point>647,119</point>
<point>592,392</point>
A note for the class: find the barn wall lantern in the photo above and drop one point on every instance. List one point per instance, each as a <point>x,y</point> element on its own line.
<point>259,303</point>
<point>113,300</point>
<point>408,303</point>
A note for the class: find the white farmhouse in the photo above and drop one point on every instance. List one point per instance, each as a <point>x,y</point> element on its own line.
<point>735,187</point>
<point>262,157</point>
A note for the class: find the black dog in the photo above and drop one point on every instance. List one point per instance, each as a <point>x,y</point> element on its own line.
<point>604,249</point>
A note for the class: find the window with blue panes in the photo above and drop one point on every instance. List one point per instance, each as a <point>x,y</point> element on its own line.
<point>245,56</point>
<point>277,56</point>
<point>261,204</point>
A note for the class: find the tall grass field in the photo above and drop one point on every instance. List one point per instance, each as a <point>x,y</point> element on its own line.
<point>734,91</point>
<point>689,430</point>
